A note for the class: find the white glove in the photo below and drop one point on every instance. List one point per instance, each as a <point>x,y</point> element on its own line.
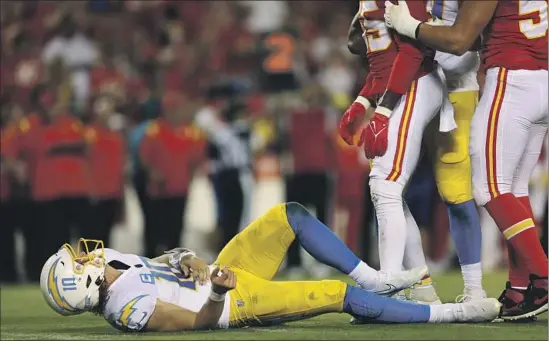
<point>398,17</point>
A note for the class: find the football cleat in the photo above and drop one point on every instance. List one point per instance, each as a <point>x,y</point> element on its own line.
<point>391,282</point>
<point>424,294</point>
<point>470,295</point>
<point>479,310</point>
<point>524,305</point>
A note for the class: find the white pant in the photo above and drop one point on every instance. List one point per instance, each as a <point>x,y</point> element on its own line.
<point>391,172</point>
<point>507,132</point>
<point>406,126</point>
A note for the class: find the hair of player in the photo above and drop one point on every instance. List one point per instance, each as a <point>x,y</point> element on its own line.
<point>103,298</point>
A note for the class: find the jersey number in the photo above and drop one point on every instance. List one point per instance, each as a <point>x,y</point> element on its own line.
<point>164,272</point>
<point>281,53</point>
<point>531,28</point>
<point>375,34</point>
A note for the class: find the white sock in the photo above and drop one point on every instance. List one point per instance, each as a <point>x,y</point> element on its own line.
<point>387,199</point>
<point>472,277</point>
<point>413,251</point>
<point>442,313</point>
<point>365,276</point>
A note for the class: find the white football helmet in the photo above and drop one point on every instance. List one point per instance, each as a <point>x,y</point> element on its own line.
<point>70,280</point>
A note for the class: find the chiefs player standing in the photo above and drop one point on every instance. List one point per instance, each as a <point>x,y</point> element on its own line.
<point>508,127</point>
<point>403,72</point>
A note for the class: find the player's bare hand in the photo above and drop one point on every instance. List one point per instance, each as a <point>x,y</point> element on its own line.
<point>199,270</point>
<point>223,281</point>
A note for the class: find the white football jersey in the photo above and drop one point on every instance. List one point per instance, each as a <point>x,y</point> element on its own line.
<point>460,71</point>
<point>133,295</point>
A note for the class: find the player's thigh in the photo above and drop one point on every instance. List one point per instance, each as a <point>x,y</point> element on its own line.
<point>500,131</point>
<point>260,248</point>
<point>529,160</point>
<point>262,302</point>
<point>406,126</point>
<point>452,162</point>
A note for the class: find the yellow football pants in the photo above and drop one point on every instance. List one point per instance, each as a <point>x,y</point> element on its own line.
<point>452,163</point>
<point>255,255</point>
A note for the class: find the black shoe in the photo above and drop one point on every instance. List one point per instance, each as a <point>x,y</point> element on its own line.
<point>523,305</point>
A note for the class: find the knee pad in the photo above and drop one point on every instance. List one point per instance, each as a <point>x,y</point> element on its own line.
<point>454,181</point>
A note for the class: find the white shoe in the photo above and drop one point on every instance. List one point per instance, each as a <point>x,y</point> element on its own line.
<point>424,294</point>
<point>391,282</point>
<point>470,295</point>
<point>477,310</point>
<point>400,295</point>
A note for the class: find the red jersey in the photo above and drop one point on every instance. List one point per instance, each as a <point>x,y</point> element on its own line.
<point>172,152</point>
<point>58,159</point>
<point>351,172</point>
<point>395,61</point>
<point>7,138</point>
<point>105,80</point>
<point>311,151</point>
<point>516,37</point>
<point>107,156</point>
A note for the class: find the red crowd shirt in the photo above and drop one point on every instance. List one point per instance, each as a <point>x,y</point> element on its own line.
<point>57,158</point>
<point>515,38</point>
<point>107,80</point>
<point>395,61</point>
<point>172,152</point>
<point>310,142</point>
<point>351,172</point>
<point>8,138</point>
<point>107,152</point>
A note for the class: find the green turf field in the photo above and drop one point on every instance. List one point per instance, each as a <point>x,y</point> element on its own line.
<point>24,315</point>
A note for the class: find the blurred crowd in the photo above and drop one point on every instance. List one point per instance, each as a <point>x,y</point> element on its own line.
<point>100,95</point>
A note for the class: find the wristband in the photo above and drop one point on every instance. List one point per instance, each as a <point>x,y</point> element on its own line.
<point>217,297</point>
<point>383,111</point>
<point>416,33</point>
<point>364,102</point>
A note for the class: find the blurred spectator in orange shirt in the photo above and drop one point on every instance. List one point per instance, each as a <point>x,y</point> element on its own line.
<point>170,152</point>
<point>10,210</point>
<point>107,160</point>
<point>57,160</point>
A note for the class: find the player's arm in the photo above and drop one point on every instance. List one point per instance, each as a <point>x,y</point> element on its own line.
<point>406,66</point>
<point>168,317</point>
<point>186,261</point>
<point>355,41</point>
<point>457,39</point>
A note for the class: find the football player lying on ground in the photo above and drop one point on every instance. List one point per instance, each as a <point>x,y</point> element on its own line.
<point>176,292</point>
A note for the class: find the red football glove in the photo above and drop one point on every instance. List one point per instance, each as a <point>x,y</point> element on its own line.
<point>352,119</point>
<point>374,136</point>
